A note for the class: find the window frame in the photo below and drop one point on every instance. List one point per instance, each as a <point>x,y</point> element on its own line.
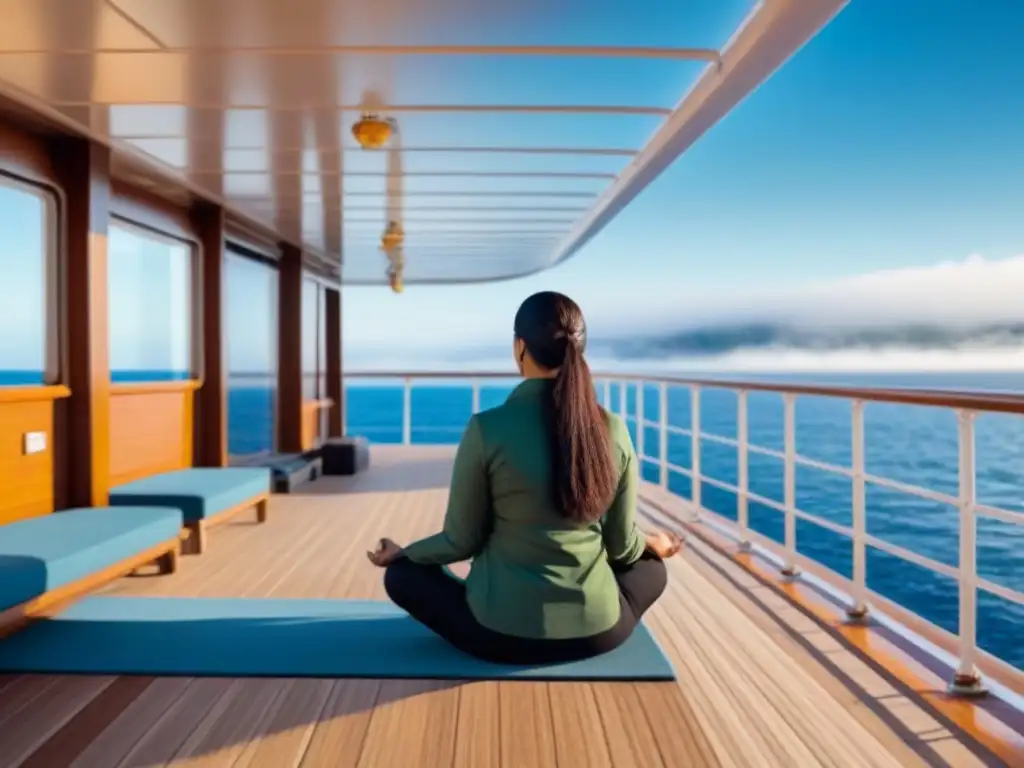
<point>197,373</point>
<point>318,330</point>
<point>240,249</point>
<point>323,285</point>
<point>54,362</point>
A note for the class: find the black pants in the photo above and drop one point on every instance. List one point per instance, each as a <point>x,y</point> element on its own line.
<point>435,599</point>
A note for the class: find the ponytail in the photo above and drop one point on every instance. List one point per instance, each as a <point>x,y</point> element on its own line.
<point>585,475</point>
<point>584,470</point>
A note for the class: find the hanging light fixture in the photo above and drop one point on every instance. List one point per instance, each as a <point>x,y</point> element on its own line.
<point>393,237</point>
<point>372,131</point>
<point>395,279</point>
<point>391,244</point>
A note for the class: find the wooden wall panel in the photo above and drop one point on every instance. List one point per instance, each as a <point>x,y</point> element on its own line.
<point>335,392</point>
<point>151,211</point>
<point>289,346</point>
<point>84,169</point>
<point>28,481</point>
<point>25,156</point>
<point>211,416</point>
<point>150,430</point>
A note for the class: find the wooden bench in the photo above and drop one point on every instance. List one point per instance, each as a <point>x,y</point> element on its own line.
<point>48,562</point>
<point>205,496</point>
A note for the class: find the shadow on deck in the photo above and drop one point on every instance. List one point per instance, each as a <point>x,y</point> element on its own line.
<point>761,682</point>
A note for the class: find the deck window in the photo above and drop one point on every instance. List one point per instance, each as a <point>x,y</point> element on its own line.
<point>314,360</point>
<point>250,324</point>
<point>152,306</point>
<point>314,349</point>
<point>28,310</point>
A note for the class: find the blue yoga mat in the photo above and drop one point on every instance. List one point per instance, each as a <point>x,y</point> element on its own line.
<point>279,638</point>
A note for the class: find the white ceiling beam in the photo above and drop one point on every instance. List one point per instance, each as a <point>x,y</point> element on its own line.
<point>582,51</point>
<point>141,100</point>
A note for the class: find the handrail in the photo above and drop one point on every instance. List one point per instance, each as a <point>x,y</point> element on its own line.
<point>967,679</point>
<point>994,402</point>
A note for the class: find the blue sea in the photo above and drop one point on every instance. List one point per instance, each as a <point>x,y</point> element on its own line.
<point>909,444</point>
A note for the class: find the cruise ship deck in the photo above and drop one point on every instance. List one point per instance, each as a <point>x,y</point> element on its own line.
<point>187,189</point>
<point>764,678</point>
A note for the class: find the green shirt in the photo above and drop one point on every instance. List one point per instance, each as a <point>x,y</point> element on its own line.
<point>534,573</point>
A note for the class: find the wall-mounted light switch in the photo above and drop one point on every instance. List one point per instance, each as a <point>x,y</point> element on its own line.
<point>35,442</point>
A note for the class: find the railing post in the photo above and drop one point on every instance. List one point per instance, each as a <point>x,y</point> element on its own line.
<point>476,396</point>
<point>623,412</point>
<point>789,569</point>
<point>742,469</point>
<point>663,434</point>
<point>967,681</point>
<point>607,394</point>
<point>407,412</point>
<point>344,407</point>
<point>640,423</point>
<point>858,611</point>
<point>695,450</point>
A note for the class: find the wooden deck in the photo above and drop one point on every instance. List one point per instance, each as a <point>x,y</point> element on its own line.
<point>760,682</point>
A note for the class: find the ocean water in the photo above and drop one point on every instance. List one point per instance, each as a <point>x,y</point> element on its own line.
<point>909,444</point>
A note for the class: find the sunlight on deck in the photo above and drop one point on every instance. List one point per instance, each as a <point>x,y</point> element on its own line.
<point>748,694</point>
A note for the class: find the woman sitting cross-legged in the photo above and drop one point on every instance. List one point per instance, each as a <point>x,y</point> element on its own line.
<point>543,499</point>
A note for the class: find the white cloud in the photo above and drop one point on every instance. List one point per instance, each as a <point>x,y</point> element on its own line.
<point>741,361</point>
<point>969,292</point>
<point>973,291</point>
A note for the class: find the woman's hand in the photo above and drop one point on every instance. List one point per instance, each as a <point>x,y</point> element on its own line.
<point>387,551</point>
<point>663,544</point>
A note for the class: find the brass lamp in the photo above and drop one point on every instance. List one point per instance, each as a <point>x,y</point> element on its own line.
<point>393,237</point>
<point>395,279</point>
<point>372,131</point>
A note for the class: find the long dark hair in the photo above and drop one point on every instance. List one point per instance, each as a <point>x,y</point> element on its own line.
<point>585,476</point>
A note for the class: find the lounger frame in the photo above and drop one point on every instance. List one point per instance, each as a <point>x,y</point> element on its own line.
<point>163,555</point>
<point>195,540</point>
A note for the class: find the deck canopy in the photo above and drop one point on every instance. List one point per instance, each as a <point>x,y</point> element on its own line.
<point>519,129</point>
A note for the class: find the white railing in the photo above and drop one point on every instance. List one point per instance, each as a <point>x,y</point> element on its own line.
<point>966,680</point>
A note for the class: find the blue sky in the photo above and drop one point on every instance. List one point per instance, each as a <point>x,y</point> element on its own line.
<point>891,141</point>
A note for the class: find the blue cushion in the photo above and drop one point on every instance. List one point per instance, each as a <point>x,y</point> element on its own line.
<point>44,553</point>
<point>199,492</point>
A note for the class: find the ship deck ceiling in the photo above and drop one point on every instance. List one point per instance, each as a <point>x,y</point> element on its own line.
<point>522,128</point>
<point>760,684</point>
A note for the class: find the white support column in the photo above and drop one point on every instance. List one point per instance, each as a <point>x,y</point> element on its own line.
<point>789,569</point>
<point>695,450</point>
<point>742,469</point>
<point>407,412</point>
<point>344,407</point>
<point>663,434</point>
<point>607,395</point>
<point>640,424</point>
<point>858,611</point>
<point>967,680</point>
<point>476,396</point>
